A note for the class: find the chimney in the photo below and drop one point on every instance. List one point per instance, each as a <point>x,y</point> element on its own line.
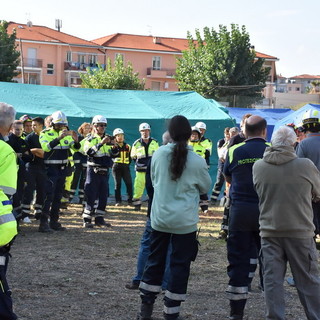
<point>156,40</point>
<point>29,23</point>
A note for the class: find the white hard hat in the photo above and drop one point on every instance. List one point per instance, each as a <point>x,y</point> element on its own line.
<point>201,125</point>
<point>195,128</point>
<point>310,117</point>
<point>144,126</point>
<point>59,117</point>
<point>117,131</point>
<point>99,119</point>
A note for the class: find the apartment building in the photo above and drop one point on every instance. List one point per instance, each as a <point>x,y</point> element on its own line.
<point>51,57</point>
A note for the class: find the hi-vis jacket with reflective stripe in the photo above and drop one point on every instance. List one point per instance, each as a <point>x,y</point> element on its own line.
<point>198,148</point>
<point>207,143</point>
<point>99,155</point>
<point>55,151</point>
<point>124,153</point>
<point>8,185</point>
<point>142,152</point>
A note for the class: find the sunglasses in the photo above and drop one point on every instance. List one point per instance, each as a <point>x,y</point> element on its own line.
<point>100,125</point>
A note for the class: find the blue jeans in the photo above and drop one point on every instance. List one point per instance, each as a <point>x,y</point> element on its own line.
<point>143,255</point>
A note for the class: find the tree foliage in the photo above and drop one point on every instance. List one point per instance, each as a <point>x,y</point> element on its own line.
<point>118,76</point>
<point>222,64</point>
<point>9,56</point>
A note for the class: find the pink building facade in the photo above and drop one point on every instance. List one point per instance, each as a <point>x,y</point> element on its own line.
<point>51,57</point>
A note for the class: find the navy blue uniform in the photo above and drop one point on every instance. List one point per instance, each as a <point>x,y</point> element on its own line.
<point>21,148</point>
<point>243,243</point>
<point>36,179</point>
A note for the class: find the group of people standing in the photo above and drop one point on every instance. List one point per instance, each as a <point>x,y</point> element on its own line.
<point>274,194</point>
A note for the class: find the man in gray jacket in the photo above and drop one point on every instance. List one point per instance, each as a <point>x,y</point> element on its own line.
<point>286,186</point>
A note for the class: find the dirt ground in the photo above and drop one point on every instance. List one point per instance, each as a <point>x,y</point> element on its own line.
<point>80,274</point>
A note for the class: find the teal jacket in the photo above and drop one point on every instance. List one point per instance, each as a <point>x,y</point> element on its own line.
<point>175,204</point>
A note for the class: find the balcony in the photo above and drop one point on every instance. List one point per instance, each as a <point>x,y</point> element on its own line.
<point>162,73</point>
<point>32,63</point>
<point>80,66</point>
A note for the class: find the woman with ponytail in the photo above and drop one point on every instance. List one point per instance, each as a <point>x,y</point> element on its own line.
<point>178,176</point>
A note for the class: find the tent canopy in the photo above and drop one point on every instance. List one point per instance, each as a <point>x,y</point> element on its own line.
<point>124,109</point>
<point>272,116</point>
<point>296,116</point>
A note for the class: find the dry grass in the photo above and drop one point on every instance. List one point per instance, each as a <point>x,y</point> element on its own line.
<point>80,274</point>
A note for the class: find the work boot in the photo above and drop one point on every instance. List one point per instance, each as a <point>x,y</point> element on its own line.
<point>87,223</point>
<point>44,225</point>
<point>236,309</point>
<point>99,222</point>
<point>56,226</point>
<point>133,285</point>
<point>145,311</point>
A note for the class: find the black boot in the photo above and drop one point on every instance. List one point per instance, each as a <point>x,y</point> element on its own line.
<point>100,222</point>
<point>87,223</point>
<point>145,311</point>
<point>236,309</point>
<point>44,225</point>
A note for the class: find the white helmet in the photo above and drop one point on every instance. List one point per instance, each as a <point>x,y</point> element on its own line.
<point>144,126</point>
<point>59,117</point>
<point>117,131</point>
<point>195,128</point>
<point>201,125</point>
<point>310,117</point>
<point>99,119</point>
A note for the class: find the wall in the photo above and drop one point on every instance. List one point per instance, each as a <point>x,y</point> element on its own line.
<point>286,100</point>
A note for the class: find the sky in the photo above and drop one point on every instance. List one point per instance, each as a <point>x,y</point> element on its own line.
<point>286,29</point>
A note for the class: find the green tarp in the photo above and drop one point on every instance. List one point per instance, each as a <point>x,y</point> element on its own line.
<point>125,109</point>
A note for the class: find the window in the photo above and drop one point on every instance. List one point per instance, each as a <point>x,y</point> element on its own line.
<point>92,60</point>
<point>290,88</point>
<point>69,56</point>
<point>155,86</point>
<point>156,63</point>
<point>297,89</point>
<point>81,58</point>
<point>50,69</point>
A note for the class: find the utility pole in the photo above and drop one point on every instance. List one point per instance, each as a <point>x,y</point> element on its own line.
<point>22,63</point>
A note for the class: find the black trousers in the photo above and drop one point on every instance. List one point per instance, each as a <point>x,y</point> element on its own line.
<point>36,180</point>
<point>122,171</point>
<point>17,197</point>
<point>79,178</point>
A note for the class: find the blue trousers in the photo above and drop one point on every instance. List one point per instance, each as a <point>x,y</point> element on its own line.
<point>96,188</point>
<point>55,186</point>
<point>6,311</point>
<point>184,250</point>
<point>143,255</point>
<point>243,246</point>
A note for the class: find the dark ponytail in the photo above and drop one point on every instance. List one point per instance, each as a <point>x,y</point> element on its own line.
<point>180,131</point>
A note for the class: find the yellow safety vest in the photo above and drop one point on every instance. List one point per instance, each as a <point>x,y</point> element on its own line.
<point>8,185</point>
<point>124,154</point>
<point>198,148</point>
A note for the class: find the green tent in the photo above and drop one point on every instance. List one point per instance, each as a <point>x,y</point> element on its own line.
<point>124,109</point>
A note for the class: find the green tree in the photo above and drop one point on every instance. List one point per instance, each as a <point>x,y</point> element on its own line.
<point>222,65</point>
<point>118,76</point>
<point>9,56</point>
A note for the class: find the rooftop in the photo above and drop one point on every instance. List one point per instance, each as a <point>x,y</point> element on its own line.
<point>139,42</point>
<point>45,34</point>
